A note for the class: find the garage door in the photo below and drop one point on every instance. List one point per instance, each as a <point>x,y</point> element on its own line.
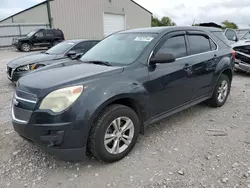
<point>113,23</point>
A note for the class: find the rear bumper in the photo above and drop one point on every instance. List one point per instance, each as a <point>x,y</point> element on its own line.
<point>239,65</point>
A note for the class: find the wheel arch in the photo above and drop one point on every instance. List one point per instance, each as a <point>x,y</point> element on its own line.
<point>125,100</point>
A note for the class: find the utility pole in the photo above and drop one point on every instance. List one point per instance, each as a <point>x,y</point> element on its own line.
<point>49,13</point>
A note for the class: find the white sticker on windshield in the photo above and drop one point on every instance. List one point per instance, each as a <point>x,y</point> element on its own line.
<point>144,39</point>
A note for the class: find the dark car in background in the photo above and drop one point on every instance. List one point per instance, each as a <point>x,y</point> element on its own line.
<point>68,49</point>
<point>38,38</point>
<point>129,80</point>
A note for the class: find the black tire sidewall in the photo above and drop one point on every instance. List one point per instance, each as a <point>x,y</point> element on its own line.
<point>24,44</point>
<point>100,147</point>
<point>215,95</point>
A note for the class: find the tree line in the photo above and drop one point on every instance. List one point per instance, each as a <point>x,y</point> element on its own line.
<point>166,21</point>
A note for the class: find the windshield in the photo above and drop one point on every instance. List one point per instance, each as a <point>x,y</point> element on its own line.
<point>60,48</point>
<point>246,36</point>
<point>31,33</point>
<point>123,48</point>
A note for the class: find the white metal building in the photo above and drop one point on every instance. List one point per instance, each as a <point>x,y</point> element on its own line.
<point>86,18</point>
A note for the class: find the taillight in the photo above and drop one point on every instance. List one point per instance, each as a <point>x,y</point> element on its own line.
<point>234,54</point>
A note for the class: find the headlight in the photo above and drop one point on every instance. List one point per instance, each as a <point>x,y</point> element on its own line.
<point>61,99</point>
<point>24,68</point>
<point>28,67</point>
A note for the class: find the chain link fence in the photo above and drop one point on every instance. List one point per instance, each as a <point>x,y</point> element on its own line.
<point>10,31</point>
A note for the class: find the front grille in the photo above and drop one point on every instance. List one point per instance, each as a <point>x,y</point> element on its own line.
<point>26,96</point>
<point>242,58</point>
<point>21,114</point>
<point>23,105</point>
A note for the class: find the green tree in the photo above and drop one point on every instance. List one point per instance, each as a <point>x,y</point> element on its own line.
<point>164,21</point>
<point>155,22</point>
<point>228,24</point>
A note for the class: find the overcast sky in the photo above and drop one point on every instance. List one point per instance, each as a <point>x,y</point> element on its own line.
<point>183,12</point>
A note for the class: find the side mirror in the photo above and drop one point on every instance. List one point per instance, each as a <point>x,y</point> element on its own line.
<point>34,36</point>
<point>162,58</point>
<point>235,39</point>
<point>71,53</point>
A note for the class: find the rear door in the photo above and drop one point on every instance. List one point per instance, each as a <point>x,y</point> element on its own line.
<point>48,37</point>
<point>202,58</point>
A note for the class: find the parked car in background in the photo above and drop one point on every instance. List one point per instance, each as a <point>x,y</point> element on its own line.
<point>38,38</point>
<point>127,81</point>
<point>242,48</point>
<point>67,49</point>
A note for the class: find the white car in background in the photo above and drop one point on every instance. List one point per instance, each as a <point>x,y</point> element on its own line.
<point>242,47</point>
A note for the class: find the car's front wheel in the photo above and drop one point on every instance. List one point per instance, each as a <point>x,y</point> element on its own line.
<point>25,47</point>
<point>221,91</point>
<point>114,134</point>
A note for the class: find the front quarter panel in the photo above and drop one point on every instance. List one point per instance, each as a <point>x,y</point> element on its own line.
<point>100,93</point>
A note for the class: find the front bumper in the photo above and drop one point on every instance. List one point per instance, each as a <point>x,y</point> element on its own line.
<point>50,138</point>
<point>17,45</point>
<point>62,135</point>
<point>239,65</point>
<point>13,75</point>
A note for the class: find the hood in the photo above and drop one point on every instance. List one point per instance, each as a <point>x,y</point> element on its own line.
<point>31,59</point>
<point>44,81</point>
<point>58,64</point>
<point>241,43</point>
<point>21,38</point>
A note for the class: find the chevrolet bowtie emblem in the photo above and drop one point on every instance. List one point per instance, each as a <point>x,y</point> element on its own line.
<point>15,102</point>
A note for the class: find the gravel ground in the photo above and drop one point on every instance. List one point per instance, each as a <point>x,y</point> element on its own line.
<point>199,147</point>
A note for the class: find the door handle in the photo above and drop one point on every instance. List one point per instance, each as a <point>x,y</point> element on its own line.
<point>186,67</point>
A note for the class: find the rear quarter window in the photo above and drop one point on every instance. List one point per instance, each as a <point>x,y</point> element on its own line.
<point>198,44</point>
<point>220,36</point>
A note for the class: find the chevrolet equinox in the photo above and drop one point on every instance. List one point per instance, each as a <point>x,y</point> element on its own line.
<point>99,105</point>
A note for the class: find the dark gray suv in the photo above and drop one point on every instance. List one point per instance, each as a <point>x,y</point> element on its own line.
<point>100,103</point>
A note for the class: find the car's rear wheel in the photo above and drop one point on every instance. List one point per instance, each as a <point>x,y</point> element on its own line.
<point>114,134</point>
<point>221,91</point>
<point>25,47</point>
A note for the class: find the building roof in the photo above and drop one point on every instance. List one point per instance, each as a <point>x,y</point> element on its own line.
<point>142,7</point>
<point>23,11</point>
<point>51,0</point>
<point>163,29</point>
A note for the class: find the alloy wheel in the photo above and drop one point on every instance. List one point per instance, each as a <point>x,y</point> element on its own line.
<point>222,91</point>
<point>119,135</point>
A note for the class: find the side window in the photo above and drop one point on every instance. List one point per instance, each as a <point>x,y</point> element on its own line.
<point>49,33</point>
<point>175,45</point>
<point>198,44</point>
<point>39,34</point>
<point>246,36</point>
<point>213,45</point>
<point>83,47</point>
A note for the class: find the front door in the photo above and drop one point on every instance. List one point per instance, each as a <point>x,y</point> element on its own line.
<point>170,85</point>
<point>39,39</point>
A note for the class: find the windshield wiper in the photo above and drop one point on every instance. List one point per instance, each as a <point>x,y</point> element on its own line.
<point>99,62</point>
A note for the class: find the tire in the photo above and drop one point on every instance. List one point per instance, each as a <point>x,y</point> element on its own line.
<point>104,126</point>
<point>25,47</point>
<point>216,100</point>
